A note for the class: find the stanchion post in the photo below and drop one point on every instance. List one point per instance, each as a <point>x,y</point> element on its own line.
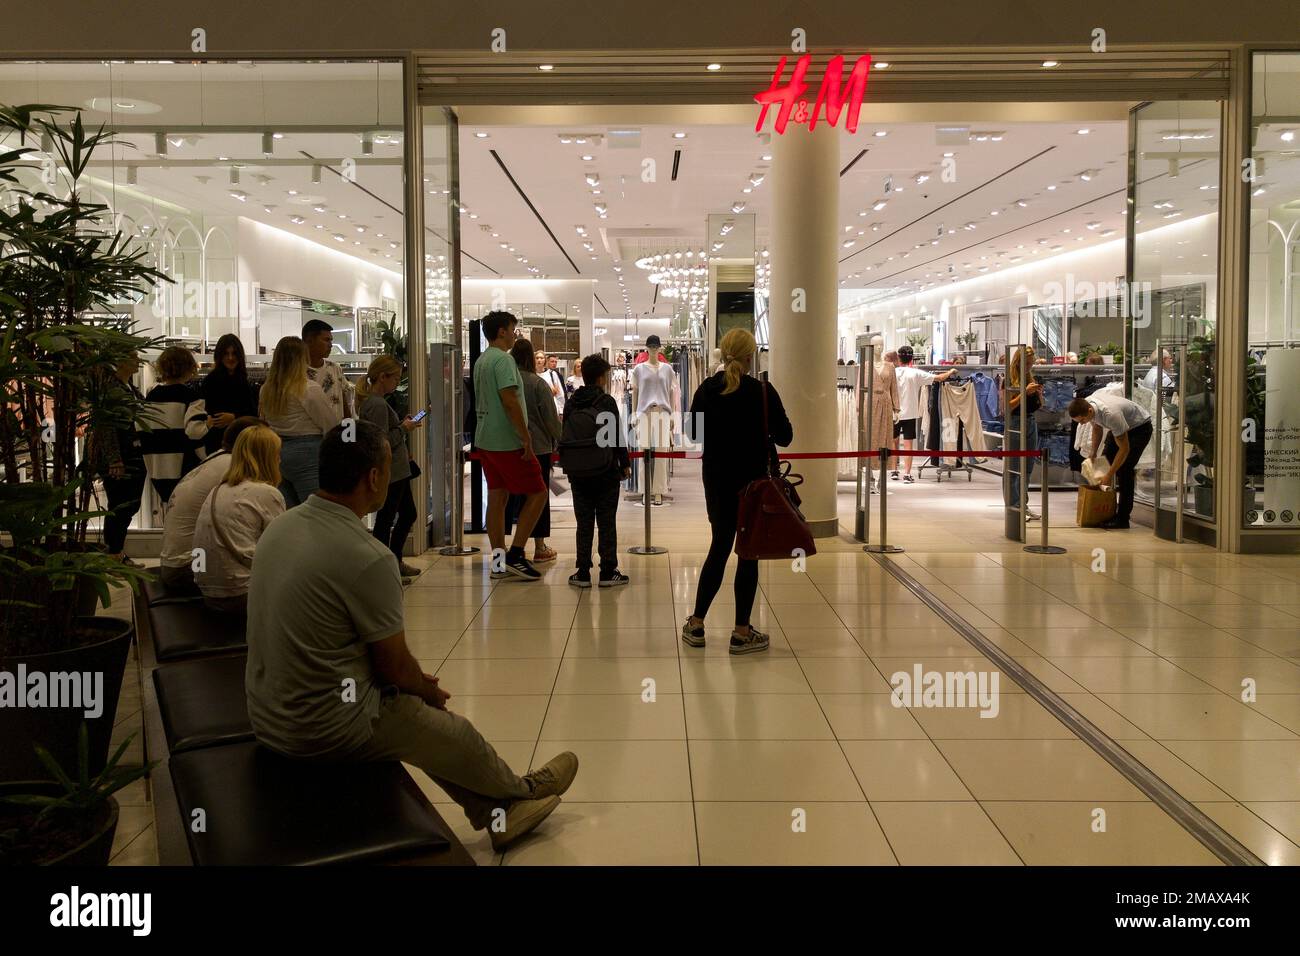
<point>884,547</point>
<point>648,470</point>
<point>1044,548</point>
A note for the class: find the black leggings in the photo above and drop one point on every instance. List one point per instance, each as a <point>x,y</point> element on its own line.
<point>123,502</point>
<point>723,521</point>
<point>394,520</point>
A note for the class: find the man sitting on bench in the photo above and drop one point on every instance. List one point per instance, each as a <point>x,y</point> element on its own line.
<point>329,675</point>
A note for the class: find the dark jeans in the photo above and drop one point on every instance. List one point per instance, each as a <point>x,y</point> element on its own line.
<point>1126,475</point>
<point>123,502</point>
<point>515,504</point>
<point>1016,496</point>
<point>722,518</point>
<point>595,500</point>
<point>394,520</point>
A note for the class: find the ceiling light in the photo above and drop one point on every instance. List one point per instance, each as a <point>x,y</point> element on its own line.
<point>879,205</point>
<point>546,67</point>
<point>880,65</point>
<point>737,207</point>
<point>948,155</point>
<point>1287,135</point>
<point>1051,187</point>
<point>1086,176</point>
<point>1048,64</point>
<point>766,157</point>
<point>339,238</point>
<point>747,190</point>
<point>239,194</point>
<point>756,179</point>
<point>485,136</point>
<point>587,157</point>
<point>922,178</point>
<point>714,67</point>
<point>1021,203</point>
<point>297,220</point>
<point>679,135</point>
<point>882,132</point>
<point>1083,132</point>
<point>593,179</point>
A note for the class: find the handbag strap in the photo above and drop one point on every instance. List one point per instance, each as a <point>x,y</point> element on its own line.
<point>768,450</point>
<point>221,531</point>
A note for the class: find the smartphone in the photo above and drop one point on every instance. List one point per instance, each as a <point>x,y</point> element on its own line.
<point>420,415</point>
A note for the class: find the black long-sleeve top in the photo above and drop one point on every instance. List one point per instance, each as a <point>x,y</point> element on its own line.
<point>731,429</point>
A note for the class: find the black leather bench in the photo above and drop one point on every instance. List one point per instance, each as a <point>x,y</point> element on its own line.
<point>155,593</point>
<point>193,630</point>
<point>263,809</point>
<point>202,702</point>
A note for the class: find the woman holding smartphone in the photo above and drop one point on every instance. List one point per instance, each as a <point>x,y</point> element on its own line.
<point>394,520</point>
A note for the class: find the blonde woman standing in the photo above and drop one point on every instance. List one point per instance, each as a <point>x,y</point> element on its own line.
<point>395,518</point>
<point>299,412</point>
<point>727,419</point>
<point>884,405</point>
<point>1018,497</point>
<point>234,516</point>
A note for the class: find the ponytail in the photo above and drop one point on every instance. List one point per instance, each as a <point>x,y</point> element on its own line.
<point>738,349</point>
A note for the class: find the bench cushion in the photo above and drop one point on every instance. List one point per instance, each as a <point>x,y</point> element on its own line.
<point>267,810</point>
<point>202,702</point>
<point>156,593</point>
<point>193,630</point>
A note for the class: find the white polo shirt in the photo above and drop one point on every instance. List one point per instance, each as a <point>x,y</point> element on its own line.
<point>1117,414</point>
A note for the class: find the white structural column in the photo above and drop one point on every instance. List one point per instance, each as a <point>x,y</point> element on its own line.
<point>805,182</point>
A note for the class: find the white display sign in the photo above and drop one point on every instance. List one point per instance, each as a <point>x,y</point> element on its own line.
<point>1281,442</point>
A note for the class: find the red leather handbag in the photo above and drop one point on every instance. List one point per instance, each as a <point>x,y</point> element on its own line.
<point>769,525</point>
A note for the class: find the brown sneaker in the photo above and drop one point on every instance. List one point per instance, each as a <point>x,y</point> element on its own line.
<point>522,817</point>
<point>555,777</point>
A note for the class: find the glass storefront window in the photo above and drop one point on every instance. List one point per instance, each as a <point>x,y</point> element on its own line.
<point>267,192</point>
<point>1171,306</point>
<point>1271,429</point>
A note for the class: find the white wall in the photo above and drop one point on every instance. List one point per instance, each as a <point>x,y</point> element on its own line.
<point>284,262</point>
<point>1068,277</point>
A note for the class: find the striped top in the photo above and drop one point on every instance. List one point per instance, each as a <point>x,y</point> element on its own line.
<point>171,429</point>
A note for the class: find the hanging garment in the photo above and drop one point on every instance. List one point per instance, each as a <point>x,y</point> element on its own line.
<point>847,415</point>
<point>961,412</point>
<point>884,406</point>
<point>1057,393</point>
<point>986,397</point>
<point>933,429</point>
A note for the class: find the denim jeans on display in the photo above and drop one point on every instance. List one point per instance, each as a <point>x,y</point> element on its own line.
<point>1058,393</point>
<point>1058,447</point>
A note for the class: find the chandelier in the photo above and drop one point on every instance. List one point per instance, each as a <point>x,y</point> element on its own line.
<point>681,275</point>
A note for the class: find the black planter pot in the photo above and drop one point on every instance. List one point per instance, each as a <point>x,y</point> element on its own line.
<point>56,729</point>
<point>96,850</point>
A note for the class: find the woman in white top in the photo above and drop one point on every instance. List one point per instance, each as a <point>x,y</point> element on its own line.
<point>234,516</point>
<point>299,412</point>
<point>654,384</point>
<point>574,381</point>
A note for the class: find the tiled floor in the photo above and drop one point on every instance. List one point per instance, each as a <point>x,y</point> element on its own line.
<point>798,756</point>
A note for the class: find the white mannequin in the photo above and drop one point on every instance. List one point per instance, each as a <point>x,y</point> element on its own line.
<point>654,390</point>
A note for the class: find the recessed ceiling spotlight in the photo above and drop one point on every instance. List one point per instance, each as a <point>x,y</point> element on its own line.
<point>714,67</point>
<point>546,67</point>
<point>1083,132</point>
<point>1051,187</point>
<point>922,178</point>
<point>679,135</point>
<point>297,220</point>
<point>879,205</point>
<point>481,135</point>
<point>737,207</point>
<point>880,65</point>
<point>747,190</point>
<point>1048,64</point>
<point>587,157</point>
<point>882,132</point>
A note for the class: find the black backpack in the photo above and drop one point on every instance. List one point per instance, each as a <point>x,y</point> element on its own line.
<point>581,455</point>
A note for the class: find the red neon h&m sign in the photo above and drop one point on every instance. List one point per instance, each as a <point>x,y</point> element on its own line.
<point>832,94</point>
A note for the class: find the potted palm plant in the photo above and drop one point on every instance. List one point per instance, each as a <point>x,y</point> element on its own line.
<point>64,276</point>
<point>66,821</point>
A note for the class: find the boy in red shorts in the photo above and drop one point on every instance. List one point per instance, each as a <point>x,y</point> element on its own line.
<point>504,447</point>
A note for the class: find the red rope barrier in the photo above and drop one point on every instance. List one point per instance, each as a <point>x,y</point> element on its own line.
<point>893,453</point>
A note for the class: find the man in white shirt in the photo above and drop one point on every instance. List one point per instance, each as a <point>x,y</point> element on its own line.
<point>176,559</point>
<point>318,336</point>
<point>1161,366</point>
<point>551,376</point>
<point>1129,425</point>
<point>910,382</point>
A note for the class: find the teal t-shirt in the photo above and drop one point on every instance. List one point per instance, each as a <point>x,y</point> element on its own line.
<point>494,371</point>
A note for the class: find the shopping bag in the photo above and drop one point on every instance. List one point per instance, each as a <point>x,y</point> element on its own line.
<point>1096,505</point>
